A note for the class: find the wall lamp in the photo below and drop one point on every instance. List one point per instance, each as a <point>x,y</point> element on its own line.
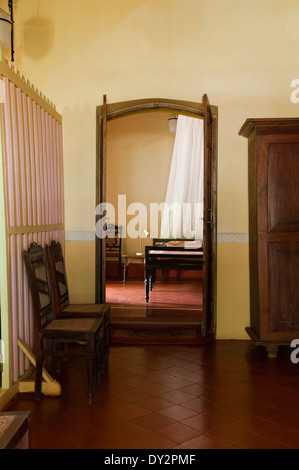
<point>6,29</point>
<point>172,123</point>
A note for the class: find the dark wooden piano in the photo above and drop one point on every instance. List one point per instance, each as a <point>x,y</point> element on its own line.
<point>183,255</point>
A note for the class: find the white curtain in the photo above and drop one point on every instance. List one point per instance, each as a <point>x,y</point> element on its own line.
<point>182,216</point>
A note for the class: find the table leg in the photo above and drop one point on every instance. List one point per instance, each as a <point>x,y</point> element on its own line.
<point>147,285</point>
<point>125,269</point>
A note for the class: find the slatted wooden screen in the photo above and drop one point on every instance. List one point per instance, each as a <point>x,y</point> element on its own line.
<point>31,147</point>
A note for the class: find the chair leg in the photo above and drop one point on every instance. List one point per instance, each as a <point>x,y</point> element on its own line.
<point>100,363</point>
<point>49,363</point>
<point>38,378</point>
<point>107,342</point>
<point>90,377</point>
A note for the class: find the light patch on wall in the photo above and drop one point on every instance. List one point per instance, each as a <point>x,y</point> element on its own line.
<point>38,34</point>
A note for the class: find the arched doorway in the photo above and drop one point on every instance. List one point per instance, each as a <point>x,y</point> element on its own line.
<point>203,110</point>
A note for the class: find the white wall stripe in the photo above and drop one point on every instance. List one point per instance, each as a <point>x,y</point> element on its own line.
<point>80,236</point>
<point>222,237</point>
<point>234,237</point>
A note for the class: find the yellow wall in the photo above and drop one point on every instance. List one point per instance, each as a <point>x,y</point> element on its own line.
<point>138,164</point>
<point>243,54</point>
<point>80,267</point>
<point>233,293</point>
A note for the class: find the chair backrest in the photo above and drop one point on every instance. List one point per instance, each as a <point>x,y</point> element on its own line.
<point>58,278</point>
<point>113,240</point>
<point>39,284</point>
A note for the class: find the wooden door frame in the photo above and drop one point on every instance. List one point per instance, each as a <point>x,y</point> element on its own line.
<point>107,112</point>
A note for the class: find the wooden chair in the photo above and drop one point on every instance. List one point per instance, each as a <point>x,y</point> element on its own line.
<point>50,331</point>
<point>113,245</point>
<point>60,295</point>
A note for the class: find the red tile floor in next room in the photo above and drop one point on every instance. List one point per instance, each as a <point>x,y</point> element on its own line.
<point>168,300</point>
<point>165,294</point>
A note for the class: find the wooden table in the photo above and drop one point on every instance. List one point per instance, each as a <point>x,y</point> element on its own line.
<point>15,430</point>
<point>127,259</point>
<point>163,257</point>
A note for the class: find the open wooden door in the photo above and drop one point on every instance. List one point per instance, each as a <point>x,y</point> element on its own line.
<point>210,213</point>
<point>107,112</point>
<point>101,155</point>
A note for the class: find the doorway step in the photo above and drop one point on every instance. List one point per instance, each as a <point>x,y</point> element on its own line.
<point>158,332</point>
<point>166,329</point>
<point>172,316</point>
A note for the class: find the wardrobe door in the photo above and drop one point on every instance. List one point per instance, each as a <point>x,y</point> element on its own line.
<point>273,175</point>
<point>283,236</point>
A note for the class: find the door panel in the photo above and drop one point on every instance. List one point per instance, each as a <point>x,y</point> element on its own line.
<point>210,231</point>
<point>283,194</point>
<point>283,284</point>
<point>100,274</point>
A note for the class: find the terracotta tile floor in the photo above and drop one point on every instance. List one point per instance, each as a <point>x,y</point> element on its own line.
<point>224,395</point>
<point>176,301</point>
<point>171,295</point>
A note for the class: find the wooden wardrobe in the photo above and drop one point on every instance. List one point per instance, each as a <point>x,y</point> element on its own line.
<point>273,183</point>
